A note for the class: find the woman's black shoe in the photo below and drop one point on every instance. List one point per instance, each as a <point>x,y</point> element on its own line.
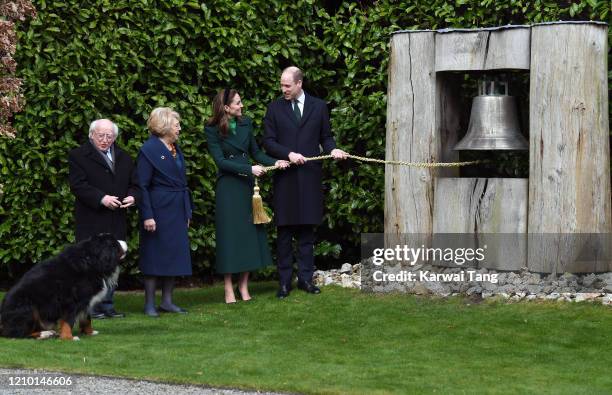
<point>151,312</point>
<point>239,295</point>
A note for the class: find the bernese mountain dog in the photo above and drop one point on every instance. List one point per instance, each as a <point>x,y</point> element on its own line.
<point>58,292</point>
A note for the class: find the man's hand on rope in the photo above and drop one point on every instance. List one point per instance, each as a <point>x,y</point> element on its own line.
<point>296,159</point>
<point>338,154</point>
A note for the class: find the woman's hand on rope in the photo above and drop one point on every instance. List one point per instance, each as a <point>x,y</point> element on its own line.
<point>258,170</point>
<point>282,164</point>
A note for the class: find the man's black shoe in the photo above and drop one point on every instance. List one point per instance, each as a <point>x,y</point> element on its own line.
<point>308,287</point>
<point>98,316</point>
<point>113,314</point>
<point>283,292</point>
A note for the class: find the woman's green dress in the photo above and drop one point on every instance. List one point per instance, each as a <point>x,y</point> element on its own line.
<point>241,245</point>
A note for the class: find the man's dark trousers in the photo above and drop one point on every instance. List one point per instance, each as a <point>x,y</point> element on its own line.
<point>305,236</point>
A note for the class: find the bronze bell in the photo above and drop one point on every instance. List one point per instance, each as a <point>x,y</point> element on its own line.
<point>493,121</point>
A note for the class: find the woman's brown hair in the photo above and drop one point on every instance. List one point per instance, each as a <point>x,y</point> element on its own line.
<point>219,116</point>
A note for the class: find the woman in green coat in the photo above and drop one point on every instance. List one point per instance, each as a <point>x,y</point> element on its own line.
<point>242,246</point>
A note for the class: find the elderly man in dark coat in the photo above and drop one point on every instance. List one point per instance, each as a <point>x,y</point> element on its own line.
<point>103,180</point>
<point>297,126</point>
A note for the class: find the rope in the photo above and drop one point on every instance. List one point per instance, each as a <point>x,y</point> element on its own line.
<point>261,217</point>
<point>393,162</point>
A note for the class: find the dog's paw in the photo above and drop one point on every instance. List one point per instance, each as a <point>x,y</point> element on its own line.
<point>46,335</point>
<point>75,338</point>
<point>93,333</point>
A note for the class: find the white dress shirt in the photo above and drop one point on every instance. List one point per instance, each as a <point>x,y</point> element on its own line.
<point>300,102</point>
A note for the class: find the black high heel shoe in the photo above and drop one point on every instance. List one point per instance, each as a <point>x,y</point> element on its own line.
<point>239,295</point>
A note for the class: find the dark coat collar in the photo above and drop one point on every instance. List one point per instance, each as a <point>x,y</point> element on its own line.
<point>240,139</point>
<point>161,158</point>
<point>308,107</point>
<point>94,154</point>
<point>242,121</point>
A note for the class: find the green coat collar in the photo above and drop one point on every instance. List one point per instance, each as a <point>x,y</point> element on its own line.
<point>240,140</point>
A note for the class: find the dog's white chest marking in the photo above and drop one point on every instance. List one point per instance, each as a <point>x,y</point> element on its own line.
<point>110,281</point>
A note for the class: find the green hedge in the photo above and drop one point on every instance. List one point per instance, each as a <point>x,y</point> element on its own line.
<point>119,59</point>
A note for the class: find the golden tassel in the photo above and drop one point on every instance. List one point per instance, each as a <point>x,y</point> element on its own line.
<point>259,213</point>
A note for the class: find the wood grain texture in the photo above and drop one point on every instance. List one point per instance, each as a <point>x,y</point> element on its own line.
<point>483,50</point>
<point>448,112</point>
<point>411,133</point>
<point>491,212</point>
<point>569,159</point>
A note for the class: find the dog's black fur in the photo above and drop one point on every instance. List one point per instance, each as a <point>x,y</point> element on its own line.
<point>61,289</point>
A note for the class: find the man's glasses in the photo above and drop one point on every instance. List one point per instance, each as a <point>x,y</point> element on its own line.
<point>102,137</point>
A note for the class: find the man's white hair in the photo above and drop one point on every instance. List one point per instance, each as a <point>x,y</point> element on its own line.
<point>94,125</point>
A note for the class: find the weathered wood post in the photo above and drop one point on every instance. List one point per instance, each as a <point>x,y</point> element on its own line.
<point>411,133</point>
<point>569,158</point>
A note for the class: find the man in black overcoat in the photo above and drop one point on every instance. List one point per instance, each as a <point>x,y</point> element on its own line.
<point>297,126</point>
<point>103,179</point>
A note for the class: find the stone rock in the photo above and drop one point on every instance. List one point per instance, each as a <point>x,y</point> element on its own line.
<point>489,286</point>
<point>568,276</point>
<point>533,289</point>
<point>512,286</point>
<point>553,296</point>
<point>582,296</point>
<point>588,280</point>
<point>420,288</point>
<point>607,299</point>
<point>502,279</point>
<point>533,278</point>
<point>436,287</point>
<point>606,277</point>
<point>606,282</point>
<point>346,268</point>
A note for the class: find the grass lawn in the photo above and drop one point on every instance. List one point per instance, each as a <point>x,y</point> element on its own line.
<point>343,341</point>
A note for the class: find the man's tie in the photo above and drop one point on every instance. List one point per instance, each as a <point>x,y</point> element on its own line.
<point>109,155</point>
<point>296,111</point>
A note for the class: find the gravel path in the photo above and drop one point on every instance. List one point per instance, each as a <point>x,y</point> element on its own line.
<point>103,385</point>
